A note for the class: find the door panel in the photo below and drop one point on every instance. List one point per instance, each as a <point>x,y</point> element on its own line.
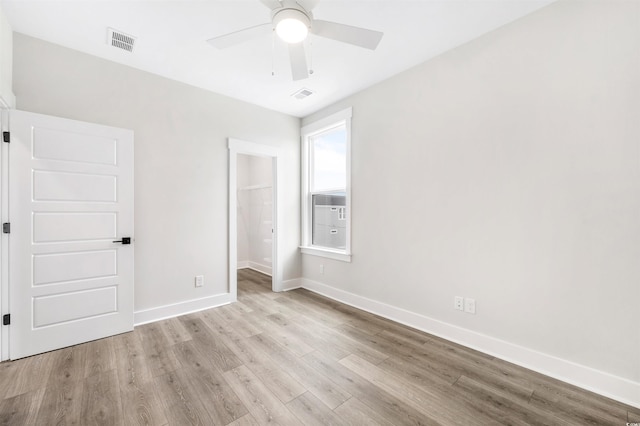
<point>50,310</point>
<point>71,197</point>
<point>73,226</point>
<point>60,267</point>
<point>58,186</point>
<point>56,144</point>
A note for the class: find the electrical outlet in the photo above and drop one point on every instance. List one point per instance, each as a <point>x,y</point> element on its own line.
<point>321,269</point>
<point>458,303</point>
<point>199,280</point>
<point>470,305</point>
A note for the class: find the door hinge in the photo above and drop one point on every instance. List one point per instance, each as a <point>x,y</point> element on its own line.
<point>6,319</point>
<point>6,228</point>
<point>6,136</point>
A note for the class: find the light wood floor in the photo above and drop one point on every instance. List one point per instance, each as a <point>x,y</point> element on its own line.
<point>286,358</point>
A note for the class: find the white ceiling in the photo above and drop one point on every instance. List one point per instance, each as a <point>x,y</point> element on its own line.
<point>171,41</point>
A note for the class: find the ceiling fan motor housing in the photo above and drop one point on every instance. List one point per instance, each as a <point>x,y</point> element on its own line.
<point>301,15</point>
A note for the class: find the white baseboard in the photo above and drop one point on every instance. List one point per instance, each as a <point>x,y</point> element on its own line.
<point>618,388</point>
<point>291,284</point>
<point>181,308</point>
<point>248,264</point>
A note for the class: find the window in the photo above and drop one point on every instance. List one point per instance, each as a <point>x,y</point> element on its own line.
<point>326,187</point>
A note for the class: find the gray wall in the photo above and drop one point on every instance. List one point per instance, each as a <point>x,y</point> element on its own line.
<point>181,161</point>
<point>507,170</point>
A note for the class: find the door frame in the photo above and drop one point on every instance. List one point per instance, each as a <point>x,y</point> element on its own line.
<point>237,146</point>
<point>4,243</point>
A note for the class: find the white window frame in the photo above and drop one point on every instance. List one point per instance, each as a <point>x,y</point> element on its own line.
<point>312,129</point>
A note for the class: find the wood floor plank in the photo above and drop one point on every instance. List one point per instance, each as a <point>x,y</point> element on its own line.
<point>309,335</point>
<point>261,403</point>
<point>208,383</point>
<point>246,326</point>
<point>322,387</point>
<point>380,404</point>
<point>286,338</point>
<point>133,369</point>
<point>218,398</point>
<point>253,302</point>
<point>157,350</point>
<point>440,360</point>
<point>140,402</point>
<point>101,403</point>
<point>21,409</point>
<point>327,336</point>
<point>287,358</point>
<point>174,331</point>
<point>573,413</point>
<point>501,407</point>
<point>317,311</point>
<point>283,386</point>
<point>29,373</point>
<point>301,308</point>
<point>181,404</point>
<point>7,371</point>
<point>430,401</point>
<point>312,412</point>
<point>99,357</point>
<point>141,405</point>
<point>354,412</point>
<point>246,420</point>
<point>61,404</point>
<point>220,356</point>
<point>567,398</point>
<point>68,365</point>
<point>62,400</point>
<point>259,301</point>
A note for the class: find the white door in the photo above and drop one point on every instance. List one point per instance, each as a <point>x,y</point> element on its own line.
<point>70,200</point>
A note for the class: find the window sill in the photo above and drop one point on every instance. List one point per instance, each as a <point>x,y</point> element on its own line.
<point>331,254</point>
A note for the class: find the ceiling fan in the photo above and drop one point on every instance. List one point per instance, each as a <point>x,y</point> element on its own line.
<point>292,20</point>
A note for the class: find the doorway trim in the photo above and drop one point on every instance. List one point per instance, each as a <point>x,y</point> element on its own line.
<point>237,146</point>
<point>4,244</point>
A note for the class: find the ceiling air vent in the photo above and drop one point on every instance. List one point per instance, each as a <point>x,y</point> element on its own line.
<point>120,40</point>
<point>303,93</point>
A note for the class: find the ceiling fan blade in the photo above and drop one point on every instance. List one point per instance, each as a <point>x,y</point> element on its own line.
<point>362,37</point>
<point>308,5</point>
<point>298,58</point>
<point>238,37</point>
<point>272,4</point>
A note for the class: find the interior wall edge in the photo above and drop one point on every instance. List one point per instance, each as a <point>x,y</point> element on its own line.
<point>602,383</point>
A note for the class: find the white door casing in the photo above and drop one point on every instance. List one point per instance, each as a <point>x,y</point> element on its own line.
<point>4,243</point>
<point>70,198</point>
<point>237,146</point>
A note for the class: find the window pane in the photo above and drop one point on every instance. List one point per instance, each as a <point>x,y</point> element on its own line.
<point>329,160</point>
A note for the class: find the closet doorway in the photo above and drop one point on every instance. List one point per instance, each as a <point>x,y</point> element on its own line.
<point>255,219</point>
<point>253,215</point>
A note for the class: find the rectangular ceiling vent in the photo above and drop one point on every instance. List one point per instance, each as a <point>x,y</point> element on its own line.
<point>303,93</point>
<point>120,40</point>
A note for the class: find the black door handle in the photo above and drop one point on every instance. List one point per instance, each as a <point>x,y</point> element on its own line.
<point>124,240</point>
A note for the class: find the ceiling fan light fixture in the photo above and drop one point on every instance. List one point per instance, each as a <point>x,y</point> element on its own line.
<point>291,25</point>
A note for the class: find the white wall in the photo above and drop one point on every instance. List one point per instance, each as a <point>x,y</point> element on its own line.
<point>7,99</point>
<point>507,170</point>
<point>181,161</point>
